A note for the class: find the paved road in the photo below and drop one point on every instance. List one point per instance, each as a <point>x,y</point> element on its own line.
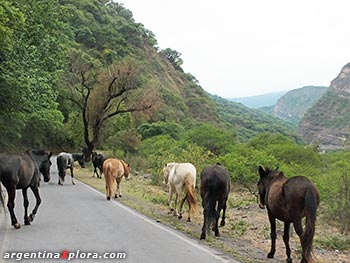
<point>77,220</point>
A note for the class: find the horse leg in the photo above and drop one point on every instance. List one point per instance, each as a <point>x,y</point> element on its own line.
<point>204,228</point>
<point>217,216</point>
<point>181,206</point>
<point>222,223</point>
<point>170,199</point>
<point>25,204</point>
<point>119,192</point>
<point>35,191</point>
<point>101,171</point>
<point>107,190</point>
<point>176,197</point>
<point>71,174</point>
<point>299,230</point>
<point>189,211</point>
<point>286,241</point>
<point>11,205</point>
<point>273,236</point>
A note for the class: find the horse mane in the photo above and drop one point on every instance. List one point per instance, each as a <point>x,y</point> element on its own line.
<point>124,166</point>
<point>275,171</point>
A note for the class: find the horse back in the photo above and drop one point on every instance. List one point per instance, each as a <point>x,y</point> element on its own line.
<point>215,182</point>
<point>9,167</point>
<point>28,172</point>
<point>296,188</point>
<point>287,198</point>
<point>113,168</point>
<point>181,171</point>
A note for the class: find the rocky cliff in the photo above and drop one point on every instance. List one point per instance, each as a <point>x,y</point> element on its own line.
<point>327,123</point>
<point>293,105</point>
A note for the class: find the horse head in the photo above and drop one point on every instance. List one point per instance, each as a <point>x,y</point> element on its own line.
<point>166,171</point>
<point>81,160</point>
<point>42,159</point>
<point>127,169</point>
<point>266,176</point>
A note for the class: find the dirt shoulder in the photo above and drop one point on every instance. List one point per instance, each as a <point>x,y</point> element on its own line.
<point>246,236</point>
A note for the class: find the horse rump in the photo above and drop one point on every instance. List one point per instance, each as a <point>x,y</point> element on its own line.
<point>214,190</point>
<point>97,161</point>
<point>61,166</point>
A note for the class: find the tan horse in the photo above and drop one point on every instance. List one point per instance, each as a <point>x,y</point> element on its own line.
<point>114,170</point>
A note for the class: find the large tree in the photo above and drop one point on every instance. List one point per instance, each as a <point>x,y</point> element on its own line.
<point>103,93</point>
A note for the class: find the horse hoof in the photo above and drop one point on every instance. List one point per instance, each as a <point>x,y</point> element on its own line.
<point>202,236</point>
<point>188,219</point>
<point>31,218</point>
<point>179,217</point>
<point>115,196</point>
<point>120,195</point>
<point>289,260</point>
<point>108,198</point>
<point>17,226</point>
<point>222,223</point>
<point>73,183</point>
<point>217,234</point>
<point>27,223</point>
<point>270,255</point>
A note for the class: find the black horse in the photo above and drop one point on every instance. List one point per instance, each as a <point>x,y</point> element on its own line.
<point>289,200</point>
<point>65,161</point>
<point>214,189</point>
<point>22,172</point>
<point>97,161</point>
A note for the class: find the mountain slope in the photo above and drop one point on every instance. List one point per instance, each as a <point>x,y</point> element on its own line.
<point>258,101</point>
<point>328,122</point>
<point>294,104</point>
<point>107,31</point>
<point>248,122</point>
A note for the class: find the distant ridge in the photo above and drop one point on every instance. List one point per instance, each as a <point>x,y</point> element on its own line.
<point>263,100</point>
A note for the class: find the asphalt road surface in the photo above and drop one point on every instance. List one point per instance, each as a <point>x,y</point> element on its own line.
<point>75,223</point>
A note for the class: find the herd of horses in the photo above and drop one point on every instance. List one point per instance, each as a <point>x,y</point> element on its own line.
<point>286,199</point>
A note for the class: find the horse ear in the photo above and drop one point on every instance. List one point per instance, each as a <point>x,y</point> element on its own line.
<point>262,171</point>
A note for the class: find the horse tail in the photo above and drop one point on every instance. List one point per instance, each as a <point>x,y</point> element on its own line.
<point>2,198</point>
<point>109,180</point>
<point>311,203</point>
<point>191,193</point>
<point>61,167</point>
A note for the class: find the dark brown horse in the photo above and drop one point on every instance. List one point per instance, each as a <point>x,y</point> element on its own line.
<point>289,200</point>
<point>215,188</point>
<point>23,172</point>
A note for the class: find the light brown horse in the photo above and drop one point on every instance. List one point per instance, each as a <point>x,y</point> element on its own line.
<point>289,200</point>
<point>114,170</point>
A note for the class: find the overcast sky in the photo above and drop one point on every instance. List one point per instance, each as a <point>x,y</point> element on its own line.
<point>241,48</point>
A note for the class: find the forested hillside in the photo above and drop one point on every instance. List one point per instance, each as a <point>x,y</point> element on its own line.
<point>61,57</point>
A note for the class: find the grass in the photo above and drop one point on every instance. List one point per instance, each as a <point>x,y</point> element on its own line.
<point>246,235</point>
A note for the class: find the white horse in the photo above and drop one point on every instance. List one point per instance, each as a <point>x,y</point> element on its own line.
<point>181,177</point>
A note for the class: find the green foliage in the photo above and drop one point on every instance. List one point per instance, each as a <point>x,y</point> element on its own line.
<point>147,130</point>
<point>30,63</point>
<point>162,149</point>
<point>174,57</point>
<point>215,139</point>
